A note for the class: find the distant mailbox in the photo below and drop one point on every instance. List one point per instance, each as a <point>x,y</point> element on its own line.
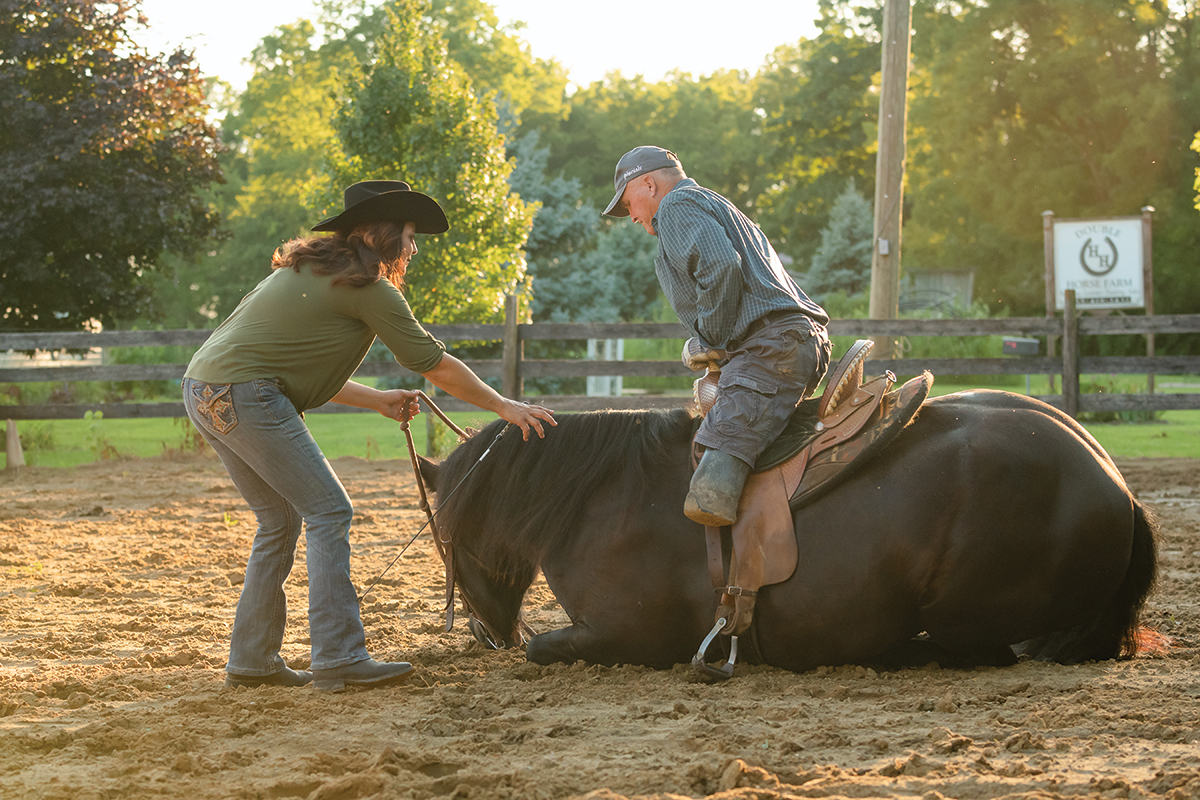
<point>1020,346</point>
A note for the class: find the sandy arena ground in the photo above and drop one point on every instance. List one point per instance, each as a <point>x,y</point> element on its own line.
<point>117,588</point>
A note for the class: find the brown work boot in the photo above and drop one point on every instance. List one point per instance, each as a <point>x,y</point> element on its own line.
<point>362,674</point>
<point>716,488</point>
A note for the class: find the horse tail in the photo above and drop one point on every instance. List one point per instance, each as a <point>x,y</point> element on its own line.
<point>1140,578</point>
<point>1117,631</point>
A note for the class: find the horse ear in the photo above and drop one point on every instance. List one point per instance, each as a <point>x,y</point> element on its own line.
<point>429,472</point>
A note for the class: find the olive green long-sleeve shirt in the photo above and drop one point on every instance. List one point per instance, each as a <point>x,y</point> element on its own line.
<point>310,335</point>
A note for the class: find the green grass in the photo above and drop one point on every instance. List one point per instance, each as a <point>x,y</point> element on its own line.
<point>1174,434</point>
<point>370,436</point>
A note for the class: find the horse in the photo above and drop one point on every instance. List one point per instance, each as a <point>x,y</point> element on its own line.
<point>993,527</point>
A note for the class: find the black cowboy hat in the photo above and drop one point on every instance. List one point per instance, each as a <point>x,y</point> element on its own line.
<point>387,201</point>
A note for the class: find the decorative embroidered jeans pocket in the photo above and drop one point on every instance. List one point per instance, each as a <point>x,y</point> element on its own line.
<point>215,404</point>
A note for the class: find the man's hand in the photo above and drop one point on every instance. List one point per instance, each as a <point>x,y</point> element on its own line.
<point>696,356</point>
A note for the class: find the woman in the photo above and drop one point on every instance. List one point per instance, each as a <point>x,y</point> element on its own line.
<point>291,345</point>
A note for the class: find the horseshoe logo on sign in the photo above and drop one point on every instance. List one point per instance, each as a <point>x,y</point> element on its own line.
<point>1096,263</point>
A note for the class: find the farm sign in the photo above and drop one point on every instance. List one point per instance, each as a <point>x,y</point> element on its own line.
<point>1102,260</point>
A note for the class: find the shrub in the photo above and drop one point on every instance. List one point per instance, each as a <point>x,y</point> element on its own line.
<point>37,437</point>
<point>1109,384</point>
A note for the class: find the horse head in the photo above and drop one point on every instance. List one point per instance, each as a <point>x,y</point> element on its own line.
<point>491,579</point>
<point>505,505</point>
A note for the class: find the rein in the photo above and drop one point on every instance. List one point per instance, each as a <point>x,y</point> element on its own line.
<point>444,546</point>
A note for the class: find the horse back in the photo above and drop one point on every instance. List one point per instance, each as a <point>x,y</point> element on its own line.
<point>989,520</point>
<point>1000,401</point>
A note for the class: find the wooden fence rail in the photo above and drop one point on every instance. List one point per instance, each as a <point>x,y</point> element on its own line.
<point>513,368</point>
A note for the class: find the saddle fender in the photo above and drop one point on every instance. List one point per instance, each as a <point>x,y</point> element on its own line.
<point>763,538</point>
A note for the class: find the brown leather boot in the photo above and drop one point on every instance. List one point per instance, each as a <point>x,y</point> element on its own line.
<point>716,488</point>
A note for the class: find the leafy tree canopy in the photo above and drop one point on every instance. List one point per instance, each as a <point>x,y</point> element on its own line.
<point>413,114</point>
<point>497,59</point>
<point>710,122</point>
<point>1026,106</point>
<point>105,151</point>
<point>819,100</point>
<point>280,130</point>
<point>1085,107</point>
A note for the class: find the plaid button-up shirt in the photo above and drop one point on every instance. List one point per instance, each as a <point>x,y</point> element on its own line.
<point>718,270</point>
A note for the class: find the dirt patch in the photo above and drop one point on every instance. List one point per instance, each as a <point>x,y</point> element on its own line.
<point>117,589</point>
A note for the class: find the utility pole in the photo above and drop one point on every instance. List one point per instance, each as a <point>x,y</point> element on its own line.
<point>889,170</point>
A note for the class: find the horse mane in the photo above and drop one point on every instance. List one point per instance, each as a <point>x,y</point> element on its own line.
<point>524,498</point>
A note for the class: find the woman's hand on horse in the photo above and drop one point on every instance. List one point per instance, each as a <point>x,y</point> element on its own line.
<point>526,416</point>
<point>399,404</point>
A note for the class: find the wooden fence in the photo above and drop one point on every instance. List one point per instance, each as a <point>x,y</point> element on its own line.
<point>513,368</point>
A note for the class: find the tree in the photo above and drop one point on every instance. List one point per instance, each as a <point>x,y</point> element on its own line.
<point>280,131</point>
<point>563,227</point>
<point>843,261</point>
<point>277,132</point>
<point>1034,105</point>
<point>105,151</point>
<point>612,280</point>
<point>413,115</point>
<point>710,122</point>
<point>820,103</point>
<point>497,60</point>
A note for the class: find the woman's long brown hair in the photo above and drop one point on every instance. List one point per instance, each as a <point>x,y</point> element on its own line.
<point>364,255</point>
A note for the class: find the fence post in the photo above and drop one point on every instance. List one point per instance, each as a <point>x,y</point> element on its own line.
<point>514,350</point>
<point>1148,283</point>
<point>1070,356</point>
<point>1048,259</point>
<point>430,432</point>
<point>12,439</point>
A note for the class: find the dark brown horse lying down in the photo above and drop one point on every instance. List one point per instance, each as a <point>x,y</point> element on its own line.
<point>993,526</point>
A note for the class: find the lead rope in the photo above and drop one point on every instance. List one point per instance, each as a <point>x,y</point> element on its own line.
<point>444,548</point>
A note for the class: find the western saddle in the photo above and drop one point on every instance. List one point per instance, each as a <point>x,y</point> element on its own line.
<point>825,442</point>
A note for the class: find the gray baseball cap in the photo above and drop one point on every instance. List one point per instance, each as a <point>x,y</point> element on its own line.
<point>636,162</point>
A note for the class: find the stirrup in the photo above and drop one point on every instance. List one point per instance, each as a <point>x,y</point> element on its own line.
<point>707,670</point>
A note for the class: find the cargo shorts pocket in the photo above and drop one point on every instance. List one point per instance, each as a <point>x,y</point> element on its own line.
<point>214,404</point>
<point>761,382</point>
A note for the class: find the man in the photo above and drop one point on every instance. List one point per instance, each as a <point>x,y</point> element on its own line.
<point>745,312</point>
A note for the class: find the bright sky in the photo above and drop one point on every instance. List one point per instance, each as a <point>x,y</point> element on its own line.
<point>589,38</point>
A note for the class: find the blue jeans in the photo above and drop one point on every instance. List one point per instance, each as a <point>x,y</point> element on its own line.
<point>281,472</point>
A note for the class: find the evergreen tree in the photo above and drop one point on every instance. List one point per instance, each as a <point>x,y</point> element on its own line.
<point>819,100</point>
<point>613,281</point>
<point>564,223</point>
<point>843,260</point>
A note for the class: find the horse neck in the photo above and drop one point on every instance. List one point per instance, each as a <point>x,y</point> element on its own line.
<point>535,492</point>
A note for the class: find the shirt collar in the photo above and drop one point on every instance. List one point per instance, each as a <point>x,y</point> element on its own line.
<point>686,182</point>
